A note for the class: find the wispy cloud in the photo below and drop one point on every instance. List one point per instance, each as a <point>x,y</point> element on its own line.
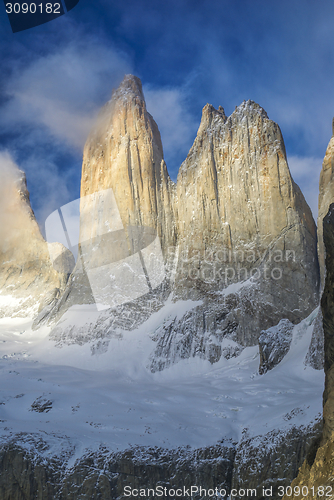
<point>63,90</point>
<point>51,104</point>
<point>306,172</point>
<point>9,173</point>
<point>177,126</point>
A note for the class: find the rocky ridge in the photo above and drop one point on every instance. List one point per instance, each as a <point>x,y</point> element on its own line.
<point>234,216</point>
<point>32,472</point>
<point>27,275</point>
<point>236,171</point>
<point>316,473</point>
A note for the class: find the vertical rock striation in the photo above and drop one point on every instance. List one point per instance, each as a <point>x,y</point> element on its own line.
<point>124,185</point>
<point>241,219</point>
<point>236,197</point>
<point>124,152</point>
<point>316,473</point>
<point>235,216</point>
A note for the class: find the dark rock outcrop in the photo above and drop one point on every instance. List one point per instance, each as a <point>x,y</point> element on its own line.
<point>274,344</point>
<point>252,464</point>
<point>317,470</point>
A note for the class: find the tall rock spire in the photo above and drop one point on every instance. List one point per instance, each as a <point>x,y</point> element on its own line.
<point>124,152</point>
<point>246,238</point>
<point>235,193</point>
<point>243,236</point>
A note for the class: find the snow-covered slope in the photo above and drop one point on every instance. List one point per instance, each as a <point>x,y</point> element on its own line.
<point>104,392</point>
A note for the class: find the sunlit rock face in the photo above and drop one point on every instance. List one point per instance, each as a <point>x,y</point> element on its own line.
<point>26,271</point>
<point>124,153</point>
<point>234,235</point>
<point>326,197</point>
<point>241,216</point>
<point>127,221</point>
<point>235,194</point>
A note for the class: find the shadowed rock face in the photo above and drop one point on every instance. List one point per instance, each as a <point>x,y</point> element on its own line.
<point>235,215</point>
<point>317,470</point>
<point>326,197</point>
<point>253,463</point>
<point>327,306</point>
<point>26,271</point>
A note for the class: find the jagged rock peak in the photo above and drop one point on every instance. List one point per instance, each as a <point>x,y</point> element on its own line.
<point>26,271</point>
<point>248,108</point>
<point>129,89</point>
<point>211,118</point>
<point>210,110</point>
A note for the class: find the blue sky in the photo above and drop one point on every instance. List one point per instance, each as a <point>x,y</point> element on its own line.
<point>54,78</point>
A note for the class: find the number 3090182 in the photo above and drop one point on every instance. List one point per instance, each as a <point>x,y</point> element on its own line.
<point>32,8</point>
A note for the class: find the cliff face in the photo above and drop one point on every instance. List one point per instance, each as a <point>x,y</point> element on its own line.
<point>124,153</point>
<point>316,473</point>
<point>253,464</point>
<point>235,216</point>
<point>26,271</point>
<point>326,197</point>
<point>225,254</point>
<point>235,193</point>
<point>241,218</point>
<point>126,205</point>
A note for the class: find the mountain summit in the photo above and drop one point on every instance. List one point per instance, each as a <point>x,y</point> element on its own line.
<point>236,234</point>
<point>28,279</point>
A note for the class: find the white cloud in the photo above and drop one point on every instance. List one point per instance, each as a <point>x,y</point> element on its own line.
<point>8,168</point>
<point>64,90</point>
<point>177,127</point>
<point>9,173</point>
<point>306,172</point>
<point>52,103</point>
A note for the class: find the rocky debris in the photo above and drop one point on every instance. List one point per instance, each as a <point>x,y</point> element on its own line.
<point>274,344</point>
<point>41,405</point>
<point>315,356</point>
